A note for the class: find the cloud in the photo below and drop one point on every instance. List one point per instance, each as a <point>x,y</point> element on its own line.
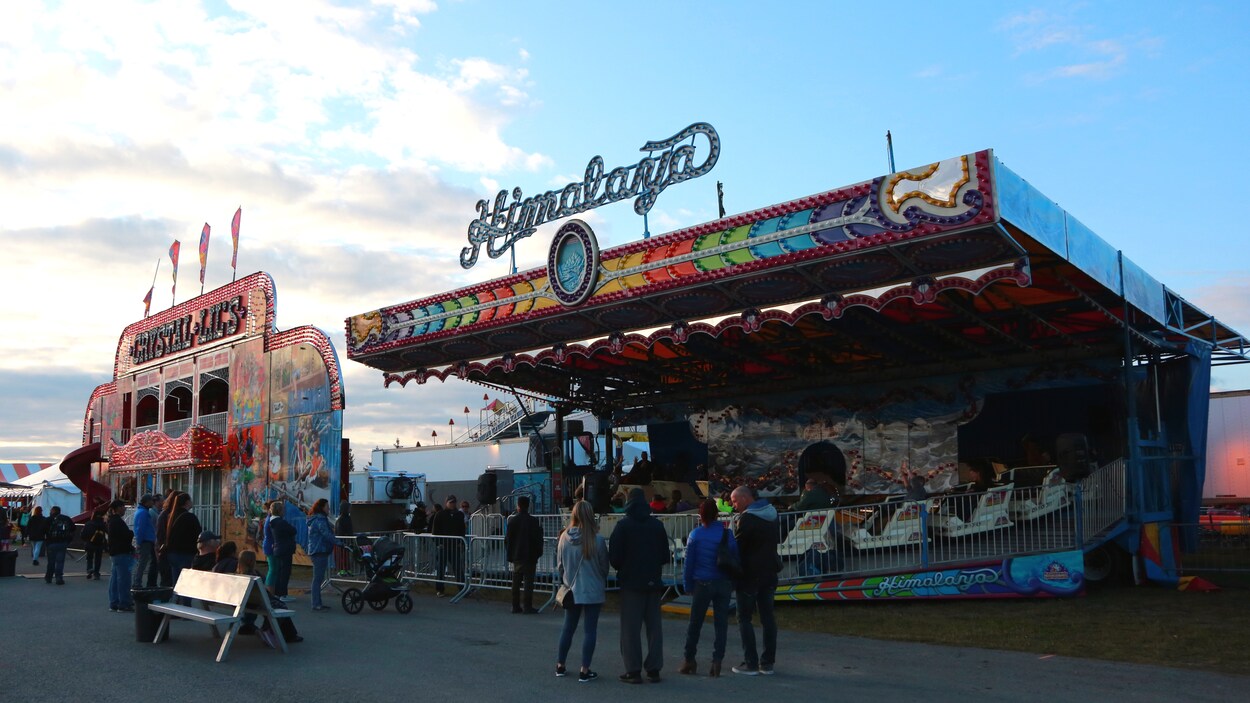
<point>130,124</point>
<point>1051,34</point>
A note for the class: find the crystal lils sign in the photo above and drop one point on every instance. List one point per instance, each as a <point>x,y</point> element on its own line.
<point>217,321</point>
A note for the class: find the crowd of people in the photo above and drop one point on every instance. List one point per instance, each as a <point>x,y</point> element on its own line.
<point>719,561</point>
<point>166,537</point>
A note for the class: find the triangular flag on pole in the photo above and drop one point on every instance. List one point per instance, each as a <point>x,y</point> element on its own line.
<point>203,255</point>
<point>173,256</point>
<point>147,299</point>
<point>234,234</point>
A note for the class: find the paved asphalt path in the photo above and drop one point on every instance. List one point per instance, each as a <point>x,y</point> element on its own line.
<point>62,643</point>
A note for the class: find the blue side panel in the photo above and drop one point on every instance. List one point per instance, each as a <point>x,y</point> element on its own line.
<point>1144,291</point>
<point>1091,254</point>
<point>1025,207</point>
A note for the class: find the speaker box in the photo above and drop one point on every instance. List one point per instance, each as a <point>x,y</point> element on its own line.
<point>487,488</point>
<point>597,491</point>
<point>1072,456</point>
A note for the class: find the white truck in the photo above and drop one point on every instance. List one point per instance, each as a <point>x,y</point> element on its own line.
<point>1228,449</point>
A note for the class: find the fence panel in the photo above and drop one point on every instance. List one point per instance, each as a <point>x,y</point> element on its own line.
<point>437,559</point>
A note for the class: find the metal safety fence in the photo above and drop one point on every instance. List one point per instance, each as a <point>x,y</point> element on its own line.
<point>1219,549</point>
<point>1048,515</point>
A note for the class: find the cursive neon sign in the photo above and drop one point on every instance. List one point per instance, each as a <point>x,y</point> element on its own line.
<point>500,225</point>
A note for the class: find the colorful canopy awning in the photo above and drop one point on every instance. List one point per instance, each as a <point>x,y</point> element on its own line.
<point>952,267</point>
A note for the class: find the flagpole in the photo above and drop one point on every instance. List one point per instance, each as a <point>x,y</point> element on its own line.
<point>147,306</point>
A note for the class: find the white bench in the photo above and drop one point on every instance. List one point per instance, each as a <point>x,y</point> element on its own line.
<point>222,599</point>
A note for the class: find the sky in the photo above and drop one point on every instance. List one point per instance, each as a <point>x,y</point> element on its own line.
<point>358,137</point>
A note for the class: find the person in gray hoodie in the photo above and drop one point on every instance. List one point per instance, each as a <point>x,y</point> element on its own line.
<point>757,532</point>
<point>639,551</point>
<point>582,561</point>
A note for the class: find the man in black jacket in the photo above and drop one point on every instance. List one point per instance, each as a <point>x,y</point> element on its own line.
<point>639,551</point>
<point>122,557</point>
<point>524,541</point>
<point>60,534</point>
<point>756,529</point>
<point>447,552</point>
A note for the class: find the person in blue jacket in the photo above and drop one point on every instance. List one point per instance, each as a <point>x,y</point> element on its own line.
<point>145,538</point>
<point>707,583</point>
<point>321,542</point>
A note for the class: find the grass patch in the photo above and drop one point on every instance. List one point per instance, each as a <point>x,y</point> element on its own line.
<point>1145,625</point>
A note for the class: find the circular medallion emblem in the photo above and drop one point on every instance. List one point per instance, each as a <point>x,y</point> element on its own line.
<point>572,262</point>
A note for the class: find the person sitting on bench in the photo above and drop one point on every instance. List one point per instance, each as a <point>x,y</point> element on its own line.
<point>247,567</point>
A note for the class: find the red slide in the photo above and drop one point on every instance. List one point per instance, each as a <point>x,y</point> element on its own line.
<point>77,468</point>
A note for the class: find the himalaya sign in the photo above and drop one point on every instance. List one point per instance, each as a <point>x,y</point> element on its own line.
<point>512,217</point>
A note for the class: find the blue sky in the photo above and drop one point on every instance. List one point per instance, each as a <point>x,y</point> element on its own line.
<point>358,136</point>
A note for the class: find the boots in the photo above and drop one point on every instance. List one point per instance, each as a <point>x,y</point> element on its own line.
<point>714,672</point>
<point>688,667</point>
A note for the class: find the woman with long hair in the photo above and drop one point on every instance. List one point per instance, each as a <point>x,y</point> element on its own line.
<point>182,531</point>
<point>707,583</point>
<point>247,567</point>
<point>36,531</point>
<point>321,541</point>
<point>582,561</point>
<point>162,535</point>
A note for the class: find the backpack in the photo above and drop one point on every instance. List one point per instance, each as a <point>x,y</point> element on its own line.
<point>58,531</point>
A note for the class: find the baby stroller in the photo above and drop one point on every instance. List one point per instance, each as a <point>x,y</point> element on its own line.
<point>382,562</point>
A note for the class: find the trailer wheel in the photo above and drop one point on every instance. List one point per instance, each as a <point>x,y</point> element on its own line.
<point>1106,565</point>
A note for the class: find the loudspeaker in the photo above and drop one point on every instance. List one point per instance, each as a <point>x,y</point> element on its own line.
<point>597,491</point>
<point>572,428</point>
<point>1072,456</point>
<point>486,488</point>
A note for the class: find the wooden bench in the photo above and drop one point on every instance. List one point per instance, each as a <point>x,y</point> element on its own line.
<point>221,599</point>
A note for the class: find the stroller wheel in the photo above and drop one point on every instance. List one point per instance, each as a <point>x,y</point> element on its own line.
<point>353,600</point>
<point>379,603</point>
<point>403,603</point>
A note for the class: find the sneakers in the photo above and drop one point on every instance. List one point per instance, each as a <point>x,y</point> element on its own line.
<point>126,609</point>
<point>113,610</point>
<point>561,672</point>
<point>287,599</point>
<point>534,611</point>
<point>631,677</point>
<point>766,669</point>
<point>35,562</point>
<point>586,676</point>
<point>653,676</point>
<point>319,608</point>
<point>439,594</point>
<point>269,638</point>
<point>746,669</point>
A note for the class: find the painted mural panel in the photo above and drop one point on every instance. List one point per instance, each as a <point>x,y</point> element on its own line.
<point>299,384</point>
<point>247,383</point>
<point>876,451</point>
<point>244,490</point>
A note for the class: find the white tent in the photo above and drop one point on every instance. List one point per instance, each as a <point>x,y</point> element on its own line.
<point>47,488</point>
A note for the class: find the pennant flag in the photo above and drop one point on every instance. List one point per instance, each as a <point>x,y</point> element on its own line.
<point>147,301</point>
<point>203,254</point>
<point>234,234</point>
<point>173,256</point>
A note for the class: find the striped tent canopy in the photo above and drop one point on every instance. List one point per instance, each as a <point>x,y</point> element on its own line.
<point>12,472</point>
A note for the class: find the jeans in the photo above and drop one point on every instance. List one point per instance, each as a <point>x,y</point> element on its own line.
<point>639,608</point>
<point>119,581</point>
<point>716,593</point>
<point>747,603</point>
<point>523,574</point>
<point>146,566</point>
<point>447,556</point>
<point>94,558</point>
<point>321,563</point>
<point>177,562</point>
<point>36,549</point>
<point>281,568</point>
<point>589,635</point>
<point>56,561</point>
